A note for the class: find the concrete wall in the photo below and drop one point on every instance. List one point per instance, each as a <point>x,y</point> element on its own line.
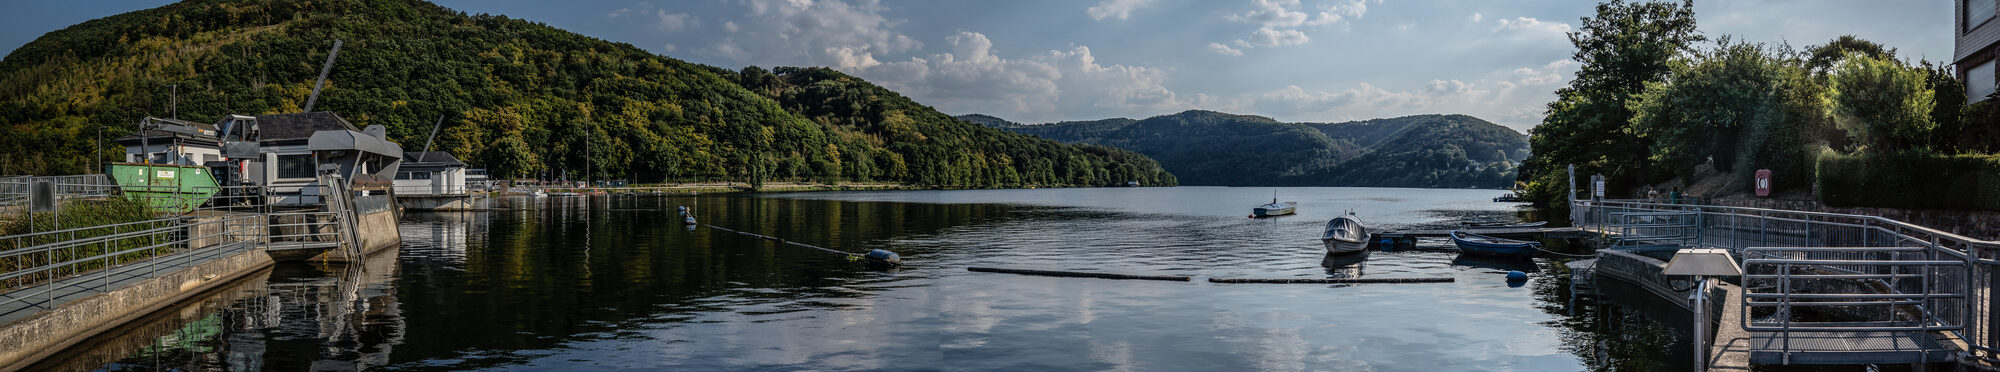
<point>35,338</point>
<point>434,203</point>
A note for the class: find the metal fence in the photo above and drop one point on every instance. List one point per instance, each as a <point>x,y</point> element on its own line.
<point>41,269</point>
<point>1871,273</point>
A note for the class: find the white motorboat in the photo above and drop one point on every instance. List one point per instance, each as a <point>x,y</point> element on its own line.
<point>1345,234</point>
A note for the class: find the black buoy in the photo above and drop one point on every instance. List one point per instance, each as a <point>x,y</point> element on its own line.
<point>884,257</point>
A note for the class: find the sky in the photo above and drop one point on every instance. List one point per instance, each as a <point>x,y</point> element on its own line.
<point>1039,61</point>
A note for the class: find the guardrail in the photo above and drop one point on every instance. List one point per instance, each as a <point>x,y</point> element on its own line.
<point>1784,251</point>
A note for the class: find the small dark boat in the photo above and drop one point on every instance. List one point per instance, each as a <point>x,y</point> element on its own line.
<point>1506,224</point>
<point>1476,244</point>
<point>1508,198</point>
<point>1345,234</point>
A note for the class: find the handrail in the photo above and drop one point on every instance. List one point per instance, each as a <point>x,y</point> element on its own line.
<point>1907,272</point>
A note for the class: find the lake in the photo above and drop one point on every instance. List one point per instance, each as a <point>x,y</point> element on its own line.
<point>617,283</point>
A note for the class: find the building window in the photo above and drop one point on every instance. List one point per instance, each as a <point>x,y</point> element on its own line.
<point>1979,81</point>
<point>420,175</point>
<point>1977,12</point>
<point>295,166</point>
<point>402,175</point>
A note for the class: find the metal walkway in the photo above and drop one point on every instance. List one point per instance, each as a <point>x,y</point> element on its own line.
<point>1879,347</point>
<point>1828,289</point>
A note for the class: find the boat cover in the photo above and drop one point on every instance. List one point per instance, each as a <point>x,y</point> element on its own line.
<point>1345,228</point>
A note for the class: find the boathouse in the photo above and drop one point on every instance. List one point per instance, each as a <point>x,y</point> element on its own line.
<point>431,180</point>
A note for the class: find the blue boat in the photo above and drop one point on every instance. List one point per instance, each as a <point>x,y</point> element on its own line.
<point>1476,244</point>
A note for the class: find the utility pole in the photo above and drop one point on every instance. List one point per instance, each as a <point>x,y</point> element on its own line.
<point>100,149</point>
<point>174,102</point>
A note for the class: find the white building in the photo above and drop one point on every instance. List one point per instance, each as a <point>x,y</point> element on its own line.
<point>430,173</point>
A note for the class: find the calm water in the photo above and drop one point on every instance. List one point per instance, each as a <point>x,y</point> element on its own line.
<point>617,283</point>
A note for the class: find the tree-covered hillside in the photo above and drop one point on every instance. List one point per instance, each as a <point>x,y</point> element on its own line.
<point>518,97</point>
<point>1212,148</point>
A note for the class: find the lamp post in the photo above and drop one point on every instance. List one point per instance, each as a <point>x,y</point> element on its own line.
<point>1702,263</point>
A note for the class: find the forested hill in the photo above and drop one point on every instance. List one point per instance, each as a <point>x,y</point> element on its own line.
<point>518,97</point>
<point>1212,148</point>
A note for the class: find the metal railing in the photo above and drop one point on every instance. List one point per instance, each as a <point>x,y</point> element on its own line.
<point>40,269</point>
<point>1854,266</point>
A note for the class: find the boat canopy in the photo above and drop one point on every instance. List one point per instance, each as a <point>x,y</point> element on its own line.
<point>1344,228</point>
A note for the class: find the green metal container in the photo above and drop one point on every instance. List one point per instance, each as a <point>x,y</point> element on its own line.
<point>165,187</point>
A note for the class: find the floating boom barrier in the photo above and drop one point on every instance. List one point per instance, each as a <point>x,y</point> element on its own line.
<point>1078,274</point>
<point>1328,280</point>
<point>877,255</point>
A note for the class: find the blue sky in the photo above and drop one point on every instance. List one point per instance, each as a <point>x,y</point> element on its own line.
<point>1042,61</point>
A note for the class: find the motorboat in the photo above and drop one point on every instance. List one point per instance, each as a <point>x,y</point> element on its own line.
<point>1345,234</point>
<point>1475,244</point>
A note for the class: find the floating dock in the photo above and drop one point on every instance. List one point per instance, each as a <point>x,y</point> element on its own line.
<point>1405,239</point>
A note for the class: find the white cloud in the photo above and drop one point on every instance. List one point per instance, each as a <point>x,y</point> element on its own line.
<point>670,48</point>
<point>675,21</point>
<point>1279,20</point>
<point>1120,9</point>
<point>1046,86</point>
<point>842,34</point>
<point>1476,17</point>
<point>1531,24</point>
<point>1548,74</point>
<point>1218,48</point>
<point>1269,37</point>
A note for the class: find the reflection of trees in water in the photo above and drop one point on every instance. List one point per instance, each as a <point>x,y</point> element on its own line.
<point>1612,333</point>
<point>338,317</point>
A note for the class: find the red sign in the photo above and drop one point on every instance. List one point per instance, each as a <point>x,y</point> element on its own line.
<point>1763,182</point>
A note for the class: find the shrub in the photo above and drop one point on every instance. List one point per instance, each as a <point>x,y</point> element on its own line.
<point>1916,180</point>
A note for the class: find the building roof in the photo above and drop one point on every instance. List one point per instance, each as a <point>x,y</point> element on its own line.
<point>169,129</point>
<point>431,157</point>
<point>299,126</point>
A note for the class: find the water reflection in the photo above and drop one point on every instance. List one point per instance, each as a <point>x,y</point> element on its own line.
<point>294,317</point>
<point>1345,265</point>
<point>617,283</point>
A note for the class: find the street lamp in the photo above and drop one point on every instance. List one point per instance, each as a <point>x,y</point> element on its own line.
<point>1702,263</point>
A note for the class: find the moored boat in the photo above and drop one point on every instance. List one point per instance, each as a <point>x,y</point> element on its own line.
<point>1345,234</point>
<point>1506,224</point>
<point>1476,244</point>
<point>1275,208</point>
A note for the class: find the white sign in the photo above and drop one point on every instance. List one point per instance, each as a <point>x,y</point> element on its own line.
<point>163,174</point>
<point>1598,188</point>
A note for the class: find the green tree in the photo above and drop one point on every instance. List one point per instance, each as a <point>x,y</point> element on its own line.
<point>1821,58</point>
<point>509,157</point>
<point>1623,47</point>
<point>1883,103</point>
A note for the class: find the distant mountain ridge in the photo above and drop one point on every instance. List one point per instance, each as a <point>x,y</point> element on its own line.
<point>1214,148</point>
